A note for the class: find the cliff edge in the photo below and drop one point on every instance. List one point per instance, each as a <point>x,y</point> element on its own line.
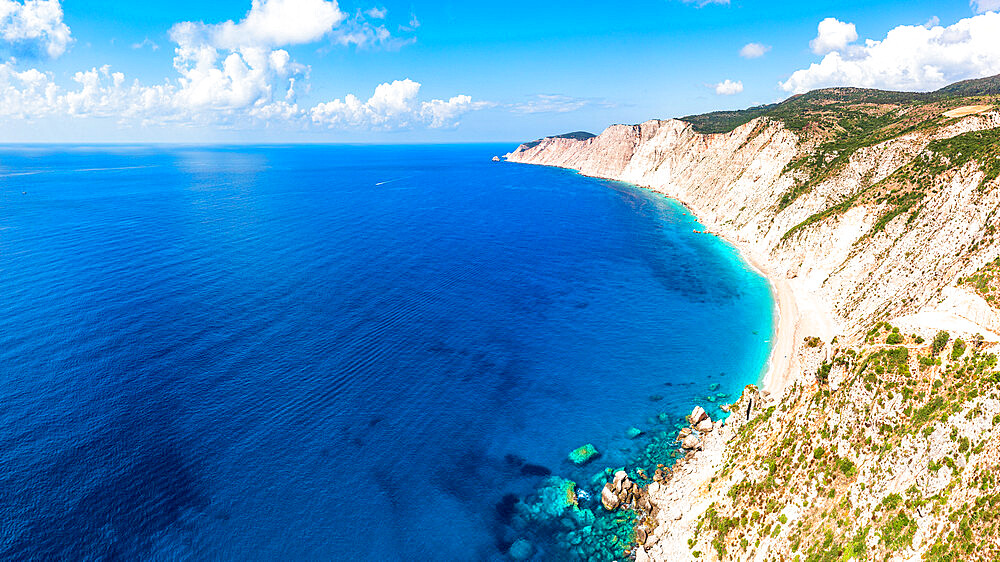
<point>874,215</point>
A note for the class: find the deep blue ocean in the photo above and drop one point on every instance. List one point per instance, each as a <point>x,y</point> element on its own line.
<point>337,352</point>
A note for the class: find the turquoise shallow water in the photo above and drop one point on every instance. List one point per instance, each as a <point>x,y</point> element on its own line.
<point>338,352</point>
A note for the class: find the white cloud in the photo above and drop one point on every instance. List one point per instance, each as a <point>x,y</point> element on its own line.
<point>982,6</point>
<point>910,57</point>
<point>358,31</point>
<point>728,87</point>
<point>833,35</point>
<point>754,50</point>
<point>147,42</point>
<point>35,26</point>
<point>268,24</point>
<point>233,74</point>
<point>556,103</point>
<point>233,98</point>
<point>393,106</point>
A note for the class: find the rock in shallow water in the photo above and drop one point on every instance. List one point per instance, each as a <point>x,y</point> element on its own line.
<point>583,455</point>
<point>698,414</point>
<point>690,442</point>
<point>609,499</point>
<point>620,477</point>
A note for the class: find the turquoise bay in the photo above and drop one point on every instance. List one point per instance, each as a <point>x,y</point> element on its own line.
<point>336,352</point>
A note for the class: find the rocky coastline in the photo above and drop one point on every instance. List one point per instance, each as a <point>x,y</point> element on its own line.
<point>877,426</point>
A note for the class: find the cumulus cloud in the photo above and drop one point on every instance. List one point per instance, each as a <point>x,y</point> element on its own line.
<point>34,26</point>
<point>394,105</point>
<point>983,6</point>
<point>910,57</point>
<point>833,35</point>
<point>268,24</point>
<point>754,50</point>
<point>728,87</point>
<point>231,74</point>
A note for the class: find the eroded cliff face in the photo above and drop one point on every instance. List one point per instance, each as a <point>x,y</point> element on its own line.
<point>841,267</point>
<point>881,443</point>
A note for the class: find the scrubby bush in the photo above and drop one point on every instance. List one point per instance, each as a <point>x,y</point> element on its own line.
<point>940,340</point>
<point>957,349</point>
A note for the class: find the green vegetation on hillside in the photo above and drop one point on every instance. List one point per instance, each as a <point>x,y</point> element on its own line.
<point>814,484</point>
<point>986,281</point>
<point>906,188</point>
<point>837,122</point>
<point>575,135</point>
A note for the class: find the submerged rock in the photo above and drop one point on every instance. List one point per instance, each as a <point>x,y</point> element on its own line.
<point>535,470</point>
<point>583,455</point>
<point>521,550</point>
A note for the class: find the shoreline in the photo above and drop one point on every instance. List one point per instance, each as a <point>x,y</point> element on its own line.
<point>778,371</point>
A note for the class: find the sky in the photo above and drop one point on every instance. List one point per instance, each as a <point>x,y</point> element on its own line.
<point>276,71</point>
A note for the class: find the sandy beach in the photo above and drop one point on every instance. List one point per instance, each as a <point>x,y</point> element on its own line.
<point>786,327</point>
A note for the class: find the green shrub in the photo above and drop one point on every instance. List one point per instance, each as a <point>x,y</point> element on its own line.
<point>940,340</point>
<point>899,531</point>
<point>957,349</point>
<point>823,374</point>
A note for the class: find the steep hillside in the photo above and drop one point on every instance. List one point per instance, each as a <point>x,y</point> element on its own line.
<point>871,203</point>
<point>875,216</point>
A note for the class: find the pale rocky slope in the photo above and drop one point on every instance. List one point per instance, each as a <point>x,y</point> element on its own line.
<point>843,456</point>
<point>734,181</point>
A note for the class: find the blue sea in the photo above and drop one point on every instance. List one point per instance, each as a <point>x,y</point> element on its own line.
<point>339,352</point>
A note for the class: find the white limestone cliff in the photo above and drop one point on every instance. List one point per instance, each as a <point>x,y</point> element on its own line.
<point>836,271</point>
